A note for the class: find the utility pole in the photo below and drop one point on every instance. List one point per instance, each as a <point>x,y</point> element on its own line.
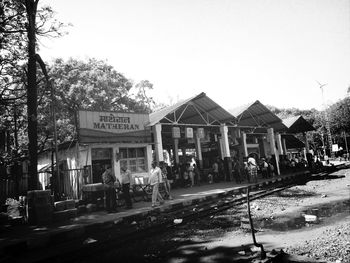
<point>346,142</point>
<point>328,129</point>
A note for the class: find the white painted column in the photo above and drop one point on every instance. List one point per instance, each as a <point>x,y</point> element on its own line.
<point>273,148</point>
<point>279,143</point>
<point>199,149</point>
<point>158,145</point>
<point>116,163</point>
<point>176,151</point>
<point>224,137</point>
<point>306,149</point>
<point>244,140</point>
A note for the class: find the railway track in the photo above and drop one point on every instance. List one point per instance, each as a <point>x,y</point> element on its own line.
<point>111,237</point>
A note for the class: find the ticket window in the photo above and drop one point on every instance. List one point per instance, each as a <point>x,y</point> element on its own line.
<point>101,158</point>
<point>134,159</point>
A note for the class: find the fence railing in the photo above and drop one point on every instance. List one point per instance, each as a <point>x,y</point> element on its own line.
<point>8,188</point>
<point>71,182</point>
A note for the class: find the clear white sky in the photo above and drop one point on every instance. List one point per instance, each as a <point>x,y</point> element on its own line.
<point>236,51</point>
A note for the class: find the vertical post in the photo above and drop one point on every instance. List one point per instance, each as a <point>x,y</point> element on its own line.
<point>284,146</point>
<point>176,151</point>
<point>224,137</point>
<point>32,96</point>
<point>346,142</point>
<point>56,171</point>
<point>329,135</point>
<point>199,149</point>
<point>244,140</point>
<point>273,148</point>
<point>158,145</point>
<point>307,147</point>
<point>279,143</point>
<point>15,165</point>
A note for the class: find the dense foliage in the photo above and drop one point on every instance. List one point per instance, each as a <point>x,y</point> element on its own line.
<point>91,84</point>
<point>14,43</point>
<point>88,85</point>
<point>339,119</point>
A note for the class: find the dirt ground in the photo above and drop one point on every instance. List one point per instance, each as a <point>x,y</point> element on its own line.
<point>220,238</point>
<point>329,241</point>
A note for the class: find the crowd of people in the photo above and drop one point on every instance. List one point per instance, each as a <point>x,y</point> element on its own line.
<point>188,174</point>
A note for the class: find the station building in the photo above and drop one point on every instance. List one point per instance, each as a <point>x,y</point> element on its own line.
<point>196,127</point>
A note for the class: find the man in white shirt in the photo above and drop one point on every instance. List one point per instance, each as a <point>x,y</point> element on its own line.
<point>126,183</point>
<point>155,178</point>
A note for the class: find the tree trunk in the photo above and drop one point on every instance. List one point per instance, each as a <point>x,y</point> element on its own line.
<point>31,7</point>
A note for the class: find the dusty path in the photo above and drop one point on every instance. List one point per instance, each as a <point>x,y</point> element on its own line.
<point>329,241</point>
<point>219,238</point>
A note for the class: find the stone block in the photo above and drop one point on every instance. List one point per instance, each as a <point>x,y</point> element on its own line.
<point>43,217</point>
<point>91,208</point>
<point>72,212</point>
<point>70,204</point>
<point>81,209</point>
<point>60,206</point>
<point>38,193</point>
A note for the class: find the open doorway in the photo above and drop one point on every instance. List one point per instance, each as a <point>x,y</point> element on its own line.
<point>101,158</point>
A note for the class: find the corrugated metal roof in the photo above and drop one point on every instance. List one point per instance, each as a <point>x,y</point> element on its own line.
<point>297,124</point>
<point>257,114</point>
<point>292,142</point>
<point>199,109</point>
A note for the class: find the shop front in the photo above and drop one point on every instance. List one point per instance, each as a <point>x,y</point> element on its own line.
<point>114,139</point>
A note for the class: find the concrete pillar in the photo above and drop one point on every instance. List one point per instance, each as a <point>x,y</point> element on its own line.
<point>158,145</point>
<point>149,157</point>
<point>273,148</point>
<point>176,151</point>
<point>307,147</point>
<point>199,149</point>
<point>279,143</point>
<point>244,141</point>
<point>284,146</point>
<point>183,154</point>
<point>225,143</point>
<point>116,163</point>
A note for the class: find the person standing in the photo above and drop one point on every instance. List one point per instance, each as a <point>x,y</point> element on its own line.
<point>155,178</point>
<point>108,180</point>
<point>252,169</point>
<point>237,170</point>
<point>169,179</point>
<point>215,168</point>
<point>126,183</point>
<point>264,166</point>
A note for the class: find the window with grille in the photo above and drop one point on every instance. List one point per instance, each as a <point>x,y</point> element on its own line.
<point>134,158</point>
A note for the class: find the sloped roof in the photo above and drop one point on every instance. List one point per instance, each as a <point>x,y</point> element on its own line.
<point>199,109</point>
<point>292,142</point>
<point>256,114</point>
<point>297,124</point>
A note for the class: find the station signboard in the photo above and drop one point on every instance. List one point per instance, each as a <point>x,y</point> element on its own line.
<point>99,125</point>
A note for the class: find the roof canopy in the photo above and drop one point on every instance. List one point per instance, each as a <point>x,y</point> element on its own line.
<point>257,115</point>
<point>297,124</point>
<point>292,142</point>
<point>198,110</point>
